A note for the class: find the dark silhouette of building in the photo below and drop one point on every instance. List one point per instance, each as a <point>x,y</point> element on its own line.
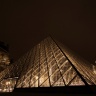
<point>4,46</point>
<point>48,64</point>
<point>4,56</point>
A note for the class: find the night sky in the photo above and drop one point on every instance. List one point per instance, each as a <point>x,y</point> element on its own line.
<point>23,24</point>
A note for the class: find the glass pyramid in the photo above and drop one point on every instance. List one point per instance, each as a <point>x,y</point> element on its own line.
<point>50,64</point>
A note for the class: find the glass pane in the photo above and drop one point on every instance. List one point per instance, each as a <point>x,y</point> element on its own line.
<point>58,56</point>
<point>35,73</point>
<point>26,82</point>
<point>43,61</point>
<point>20,80</point>
<point>53,69</point>
<point>19,85</point>
<point>29,72</point>
<point>61,61</point>
<point>35,67</point>
<point>77,81</point>
<point>55,76</point>
<point>57,52</point>
<point>43,78</point>
<point>36,84</point>
<point>43,69</point>
<point>64,67</point>
<point>59,82</point>
<point>43,65</point>
<point>49,55</point>
<point>68,75</point>
<point>33,80</point>
<point>50,59</point>
<point>32,83</point>
<point>88,81</point>
<point>50,64</point>
<point>46,83</point>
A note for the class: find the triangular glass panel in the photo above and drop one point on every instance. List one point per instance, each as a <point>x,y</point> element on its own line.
<point>77,81</point>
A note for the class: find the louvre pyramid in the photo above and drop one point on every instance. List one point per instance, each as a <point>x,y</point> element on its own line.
<point>49,64</point>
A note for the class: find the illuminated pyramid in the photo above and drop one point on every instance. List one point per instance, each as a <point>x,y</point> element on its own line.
<point>49,64</point>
